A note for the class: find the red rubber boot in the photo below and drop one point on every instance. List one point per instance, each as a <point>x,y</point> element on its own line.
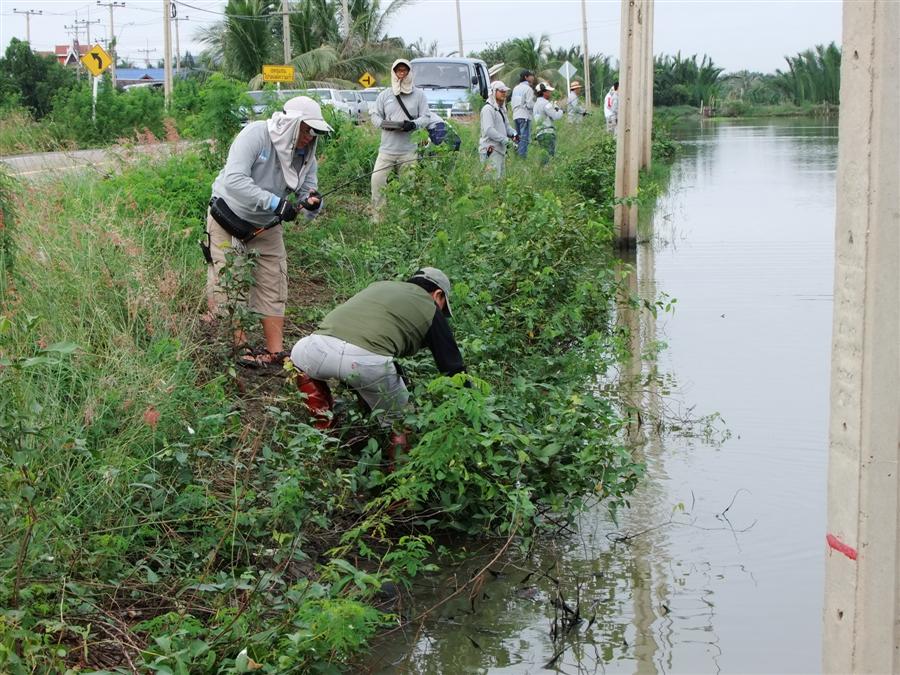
<point>398,444</point>
<point>319,400</point>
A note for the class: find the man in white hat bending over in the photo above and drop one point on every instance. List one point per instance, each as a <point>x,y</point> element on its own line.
<point>399,110</point>
<point>268,162</point>
<point>495,129</point>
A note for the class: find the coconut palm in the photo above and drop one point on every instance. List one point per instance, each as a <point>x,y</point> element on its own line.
<point>369,19</point>
<point>813,76</point>
<point>243,41</point>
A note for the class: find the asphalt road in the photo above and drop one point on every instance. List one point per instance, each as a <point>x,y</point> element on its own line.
<point>105,160</point>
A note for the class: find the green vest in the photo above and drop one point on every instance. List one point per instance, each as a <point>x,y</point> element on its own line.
<point>389,318</point>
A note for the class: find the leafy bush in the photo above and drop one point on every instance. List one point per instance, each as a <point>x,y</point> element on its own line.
<point>219,118</point>
<point>29,79</point>
<point>591,169</point>
<point>118,114</point>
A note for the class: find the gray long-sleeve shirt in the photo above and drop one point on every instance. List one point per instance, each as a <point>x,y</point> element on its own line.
<point>387,108</point>
<point>495,130</point>
<point>252,175</point>
<point>522,101</point>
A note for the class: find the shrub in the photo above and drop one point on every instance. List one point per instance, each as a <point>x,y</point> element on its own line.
<point>118,114</point>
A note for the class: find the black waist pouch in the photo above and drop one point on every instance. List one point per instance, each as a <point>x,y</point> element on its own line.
<point>232,223</point>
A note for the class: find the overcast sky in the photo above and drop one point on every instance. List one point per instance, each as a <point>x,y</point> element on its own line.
<point>737,34</point>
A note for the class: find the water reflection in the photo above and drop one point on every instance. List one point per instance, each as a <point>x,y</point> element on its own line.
<point>716,566</point>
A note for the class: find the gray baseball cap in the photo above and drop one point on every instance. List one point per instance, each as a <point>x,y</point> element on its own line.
<point>439,279</point>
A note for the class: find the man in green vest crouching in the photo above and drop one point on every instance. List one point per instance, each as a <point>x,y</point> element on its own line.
<point>358,341</point>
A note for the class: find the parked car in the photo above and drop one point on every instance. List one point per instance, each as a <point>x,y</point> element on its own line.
<point>448,83</point>
<point>368,96</point>
<point>360,109</point>
<point>263,99</point>
<point>333,98</point>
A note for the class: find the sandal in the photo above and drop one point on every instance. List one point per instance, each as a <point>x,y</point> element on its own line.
<point>261,358</point>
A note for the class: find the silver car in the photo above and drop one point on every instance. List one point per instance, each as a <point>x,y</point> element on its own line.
<point>368,96</point>
<point>333,98</point>
<point>352,98</point>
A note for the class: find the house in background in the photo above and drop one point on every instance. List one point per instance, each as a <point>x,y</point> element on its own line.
<point>149,77</point>
<point>70,55</point>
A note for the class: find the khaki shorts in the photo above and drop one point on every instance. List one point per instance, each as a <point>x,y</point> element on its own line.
<point>268,295</point>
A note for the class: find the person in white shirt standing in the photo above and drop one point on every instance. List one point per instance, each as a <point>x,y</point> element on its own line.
<point>495,129</point>
<point>611,107</point>
<point>399,110</point>
<point>523,107</point>
<point>546,112</point>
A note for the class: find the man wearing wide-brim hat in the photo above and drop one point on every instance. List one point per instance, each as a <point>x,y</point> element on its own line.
<point>574,110</point>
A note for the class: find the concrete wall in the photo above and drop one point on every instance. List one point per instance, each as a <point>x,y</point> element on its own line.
<point>862,594</point>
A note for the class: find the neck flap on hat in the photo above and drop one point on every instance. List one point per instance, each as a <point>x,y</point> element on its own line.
<point>404,86</point>
<point>284,130</point>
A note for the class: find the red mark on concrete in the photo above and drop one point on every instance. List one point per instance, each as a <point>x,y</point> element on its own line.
<point>840,546</point>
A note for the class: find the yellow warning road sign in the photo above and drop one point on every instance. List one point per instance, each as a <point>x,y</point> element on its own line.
<point>96,60</point>
<point>366,79</point>
<point>274,73</point>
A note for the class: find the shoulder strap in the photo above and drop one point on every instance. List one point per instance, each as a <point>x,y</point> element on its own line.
<point>400,101</point>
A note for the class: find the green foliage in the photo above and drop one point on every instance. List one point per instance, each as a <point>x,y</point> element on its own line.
<point>220,115</point>
<point>8,190</point>
<point>813,76</point>
<point>684,81</point>
<point>29,79</point>
<point>118,114</point>
<point>213,528</point>
<point>591,170</point>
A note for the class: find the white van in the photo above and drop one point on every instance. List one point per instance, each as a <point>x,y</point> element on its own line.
<point>448,83</point>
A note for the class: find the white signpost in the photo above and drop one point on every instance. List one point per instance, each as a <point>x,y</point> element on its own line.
<point>567,70</point>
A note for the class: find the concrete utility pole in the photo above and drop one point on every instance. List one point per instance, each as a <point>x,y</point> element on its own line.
<point>862,565</point>
<point>632,93</point>
<point>168,11</point>
<point>647,112</point>
<point>177,20</point>
<point>345,18</point>
<point>112,37</point>
<point>28,14</point>
<point>286,29</point>
<point>459,29</point>
<point>146,52</point>
<point>586,55</point>
<point>87,25</point>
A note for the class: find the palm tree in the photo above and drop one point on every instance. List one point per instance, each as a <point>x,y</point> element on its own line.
<point>251,35</point>
<point>813,76</point>
<point>314,23</point>
<point>369,22</point>
<point>244,40</point>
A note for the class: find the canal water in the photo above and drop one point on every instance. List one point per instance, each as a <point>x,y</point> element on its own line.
<point>718,565</point>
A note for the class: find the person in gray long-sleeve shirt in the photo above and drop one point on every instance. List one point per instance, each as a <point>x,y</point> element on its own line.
<point>397,150</point>
<point>267,162</point>
<point>523,105</point>
<point>495,130</point>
